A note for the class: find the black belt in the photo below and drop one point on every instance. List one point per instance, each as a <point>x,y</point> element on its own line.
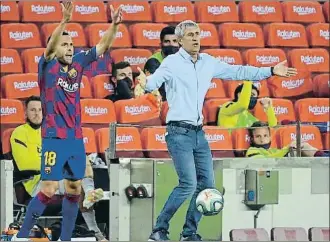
<point>185,125</point>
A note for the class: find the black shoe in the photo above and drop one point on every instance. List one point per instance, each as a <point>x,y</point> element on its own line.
<point>193,237</point>
<point>160,235</point>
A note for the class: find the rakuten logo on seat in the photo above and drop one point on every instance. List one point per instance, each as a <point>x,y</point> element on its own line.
<point>119,34</point>
<point>286,35</point>
<point>318,110</point>
<point>38,9</point>
<point>206,34</point>
<point>263,10</point>
<point>135,60</point>
<point>218,10</point>
<point>24,86</point>
<point>280,110</point>
<point>173,10</point>
<point>244,35</point>
<point>213,85</point>
<point>304,137</point>
<point>267,60</point>
<point>124,139</point>
<point>325,34</point>
<point>137,110</point>
<point>86,9</point>
<point>227,59</point>
<point>95,111</point>
<point>37,59</point>
<point>128,8</point>
<point>6,60</point>
<point>304,10</point>
<point>6,111</point>
<point>5,8</point>
<point>292,84</point>
<point>311,60</point>
<point>160,138</point>
<point>18,36</point>
<point>212,138</point>
<point>85,140</point>
<point>151,35</point>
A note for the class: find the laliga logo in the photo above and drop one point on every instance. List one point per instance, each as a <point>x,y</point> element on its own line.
<point>212,138</point>
<point>122,139</point>
<point>318,110</point>
<point>6,111</point>
<point>68,87</point>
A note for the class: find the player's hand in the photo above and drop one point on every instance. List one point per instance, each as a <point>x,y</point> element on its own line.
<point>266,102</point>
<point>116,15</point>
<point>142,78</point>
<point>67,9</point>
<point>281,70</point>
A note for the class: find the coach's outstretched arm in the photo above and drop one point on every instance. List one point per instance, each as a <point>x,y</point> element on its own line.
<point>237,72</point>
<point>67,9</point>
<point>109,36</point>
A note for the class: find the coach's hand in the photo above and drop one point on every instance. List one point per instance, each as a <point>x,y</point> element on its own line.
<point>67,9</point>
<point>116,15</point>
<point>281,70</point>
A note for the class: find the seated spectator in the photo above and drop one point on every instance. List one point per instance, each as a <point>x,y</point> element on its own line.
<point>169,45</point>
<point>236,113</point>
<point>260,142</point>
<point>26,150</point>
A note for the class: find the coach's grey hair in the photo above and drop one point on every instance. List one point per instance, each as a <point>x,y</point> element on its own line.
<point>181,27</point>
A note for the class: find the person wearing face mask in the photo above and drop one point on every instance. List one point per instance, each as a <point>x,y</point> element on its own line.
<point>169,45</point>
<point>237,113</point>
<point>260,145</point>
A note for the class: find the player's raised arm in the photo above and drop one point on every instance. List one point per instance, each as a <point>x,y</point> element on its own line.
<point>109,36</point>
<point>67,8</point>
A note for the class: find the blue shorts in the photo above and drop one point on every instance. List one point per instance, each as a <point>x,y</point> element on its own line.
<point>62,159</point>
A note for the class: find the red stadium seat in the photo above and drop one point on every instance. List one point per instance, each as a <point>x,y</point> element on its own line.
<point>5,138</point>
<point>30,58</point>
<point>229,56</point>
<point>134,11</point>
<point>216,90</point>
<point>85,88</point>
<point>211,108</point>
<point>260,11</point>
<point>216,12</point>
<point>241,35</point>
<point>89,11</point>
<point>20,86</point>
<point>9,11</point>
<point>17,35</point>
<point>209,35</point>
<point>40,11</point>
<point>220,142</point>
<point>326,140</point>
<point>263,57</point>
<point>95,32</point>
<point>326,11</point>
<point>12,113</point>
<point>10,61</point>
<point>146,34</point>
<point>321,84</point>
<point>101,86</point>
<point>89,140</point>
<point>172,11</point>
<point>312,109</point>
<point>318,34</point>
<point>136,57</point>
<point>153,142</point>
<point>302,11</point>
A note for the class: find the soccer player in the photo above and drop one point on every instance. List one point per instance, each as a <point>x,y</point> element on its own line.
<point>63,152</point>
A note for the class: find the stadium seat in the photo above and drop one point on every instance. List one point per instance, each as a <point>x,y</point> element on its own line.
<point>128,142</point>
<point>153,142</point>
<point>326,140</point>
<point>220,142</point>
<point>89,11</point>
<point>241,35</point>
<point>75,30</point>
<point>311,134</point>
<point>215,12</point>
<point>302,11</point>
<point>101,86</point>
<point>163,112</point>
<point>89,140</point>
<point>20,86</point>
<point>17,35</point>
<point>9,11</point>
<point>97,113</point>
<point>230,87</point>
<point>229,56</point>
<point>142,110</point>
<point>209,35</point>
<point>312,110</point>
<point>260,11</point>
<point>85,88</point>
<point>5,140</point>
<point>136,57</point>
<point>283,109</point>
<point>30,58</point>
<point>134,11</point>
<point>318,34</point>
<point>95,32</point>
<point>321,84</point>
<point>146,34</point>
<point>319,234</point>
<point>282,87</point>
<point>172,11</point>
<point>216,90</point>
<point>259,234</point>
<point>211,109</point>
<point>263,57</point>
<point>12,113</point>
<point>326,11</point>
<point>10,61</point>
<point>285,35</point>
<point>313,60</point>
<point>241,141</point>
<point>39,11</point>
<point>288,234</point>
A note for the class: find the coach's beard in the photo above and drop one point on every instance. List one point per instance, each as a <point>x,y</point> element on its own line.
<point>33,125</point>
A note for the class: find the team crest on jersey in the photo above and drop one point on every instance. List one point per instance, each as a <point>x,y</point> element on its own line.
<point>48,170</point>
<point>73,73</point>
